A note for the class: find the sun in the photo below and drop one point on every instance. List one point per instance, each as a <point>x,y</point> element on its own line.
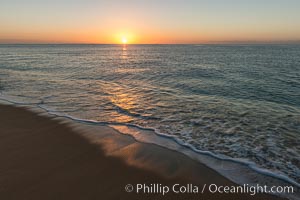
<point>124,40</point>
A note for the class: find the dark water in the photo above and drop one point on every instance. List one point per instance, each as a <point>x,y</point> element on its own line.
<point>241,101</point>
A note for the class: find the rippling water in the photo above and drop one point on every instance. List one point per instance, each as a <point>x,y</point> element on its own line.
<point>241,101</point>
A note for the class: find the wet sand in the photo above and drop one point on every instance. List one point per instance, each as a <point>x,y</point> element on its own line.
<point>41,157</point>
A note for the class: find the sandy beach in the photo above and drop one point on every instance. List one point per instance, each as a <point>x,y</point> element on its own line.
<point>42,158</point>
<point>140,99</point>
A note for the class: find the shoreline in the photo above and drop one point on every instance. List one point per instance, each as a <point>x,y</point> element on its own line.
<point>238,171</point>
<point>47,158</point>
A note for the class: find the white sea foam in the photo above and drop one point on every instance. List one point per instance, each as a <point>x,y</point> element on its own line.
<point>238,170</point>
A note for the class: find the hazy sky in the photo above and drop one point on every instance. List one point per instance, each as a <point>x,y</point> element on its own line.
<point>149,21</point>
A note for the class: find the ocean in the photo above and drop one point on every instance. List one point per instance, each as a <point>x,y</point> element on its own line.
<point>234,101</point>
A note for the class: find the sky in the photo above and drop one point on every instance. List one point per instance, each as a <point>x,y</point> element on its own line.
<point>149,21</point>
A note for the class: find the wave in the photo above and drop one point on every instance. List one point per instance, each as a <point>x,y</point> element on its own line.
<point>131,114</point>
<point>187,149</point>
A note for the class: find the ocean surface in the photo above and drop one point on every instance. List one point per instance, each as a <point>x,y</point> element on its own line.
<point>235,101</point>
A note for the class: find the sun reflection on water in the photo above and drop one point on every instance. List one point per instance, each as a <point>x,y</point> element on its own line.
<point>124,52</point>
<point>124,102</point>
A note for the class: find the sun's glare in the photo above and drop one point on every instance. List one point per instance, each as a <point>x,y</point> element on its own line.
<point>124,40</point>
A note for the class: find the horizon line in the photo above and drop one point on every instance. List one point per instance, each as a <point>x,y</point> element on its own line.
<point>204,43</point>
